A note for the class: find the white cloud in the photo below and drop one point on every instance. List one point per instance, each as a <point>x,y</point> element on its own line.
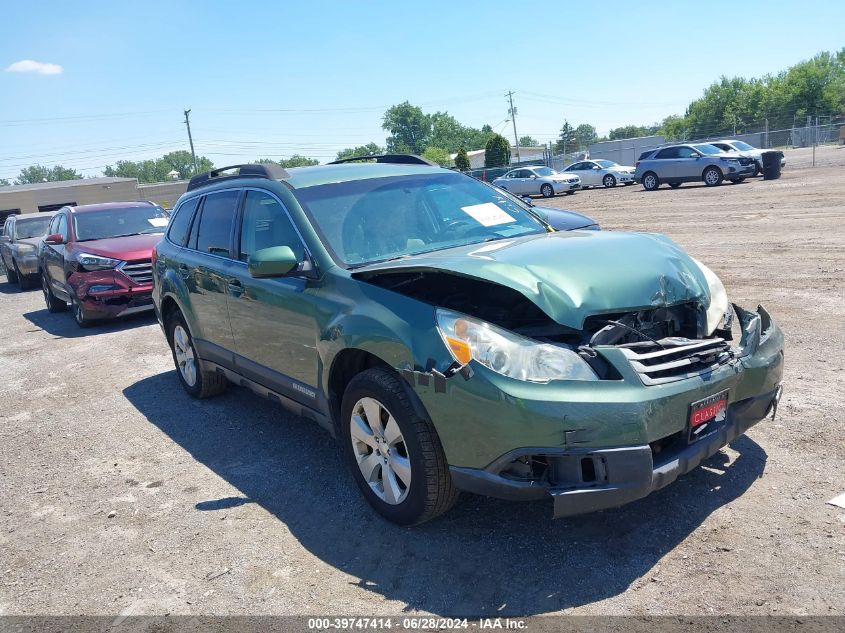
<point>29,66</point>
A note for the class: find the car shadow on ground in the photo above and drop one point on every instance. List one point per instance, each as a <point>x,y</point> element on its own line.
<point>485,557</point>
<point>63,325</point>
<point>12,289</point>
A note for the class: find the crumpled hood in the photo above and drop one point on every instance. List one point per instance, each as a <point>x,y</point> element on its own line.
<point>573,275</point>
<point>130,247</point>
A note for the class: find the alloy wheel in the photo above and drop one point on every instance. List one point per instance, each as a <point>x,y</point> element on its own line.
<point>184,355</point>
<point>609,181</point>
<point>649,182</point>
<point>711,177</point>
<point>380,451</point>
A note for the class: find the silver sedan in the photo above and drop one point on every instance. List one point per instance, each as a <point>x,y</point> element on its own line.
<point>601,173</point>
<point>531,181</point>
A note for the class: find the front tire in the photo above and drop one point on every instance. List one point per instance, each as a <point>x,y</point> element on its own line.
<point>82,319</point>
<point>394,452</point>
<point>11,275</point>
<point>650,181</point>
<point>609,181</point>
<point>547,191</point>
<point>712,177</point>
<point>198,383</point>
<point>54,304</point>
<point>23,281</point>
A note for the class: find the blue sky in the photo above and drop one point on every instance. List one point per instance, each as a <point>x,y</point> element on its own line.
<point>275,78</point>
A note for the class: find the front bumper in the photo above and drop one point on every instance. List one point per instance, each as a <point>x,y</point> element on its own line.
<point>110,293</point>
<point>561,187</point>
<point>28,264</point>
<point>622,474</point>
<point>486,422</point>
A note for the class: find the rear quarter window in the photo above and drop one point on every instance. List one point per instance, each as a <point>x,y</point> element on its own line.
<point>180,224</point>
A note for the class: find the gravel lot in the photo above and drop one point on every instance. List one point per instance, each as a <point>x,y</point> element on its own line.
<point>231,506</point>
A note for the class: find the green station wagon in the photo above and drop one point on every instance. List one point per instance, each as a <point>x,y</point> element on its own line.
<point>451,340</point>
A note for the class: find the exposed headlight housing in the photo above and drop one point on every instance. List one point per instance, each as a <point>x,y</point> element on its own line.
<point>507,353</point>
<point>719,312</point>
<point>96,262</point>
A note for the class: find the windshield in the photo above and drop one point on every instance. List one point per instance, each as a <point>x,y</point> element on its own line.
<point>544,171</point>
<point>742,146</point>
<point>706,148</point>
<point>99,225</point>
<point>606,164</point>
<point>31,228</point>
<point>366,221</point>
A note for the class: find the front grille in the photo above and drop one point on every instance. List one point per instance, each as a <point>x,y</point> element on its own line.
<point>676,358</point>
<point>141,272</point>
<point>745,161</point>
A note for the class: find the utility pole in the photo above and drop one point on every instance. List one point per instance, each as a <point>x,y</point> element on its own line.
<point>512,112</point>
<point>191,141</point>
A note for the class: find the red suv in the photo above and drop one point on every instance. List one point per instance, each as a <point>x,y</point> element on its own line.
<point>97,257</point>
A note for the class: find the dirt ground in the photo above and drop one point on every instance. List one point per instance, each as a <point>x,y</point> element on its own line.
<point>231,506</point>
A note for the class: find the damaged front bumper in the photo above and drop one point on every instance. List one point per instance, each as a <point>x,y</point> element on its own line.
<point>601,444</point>
<point>110,293</point>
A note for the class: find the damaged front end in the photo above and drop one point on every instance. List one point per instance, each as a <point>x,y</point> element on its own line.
<point>593,416</point>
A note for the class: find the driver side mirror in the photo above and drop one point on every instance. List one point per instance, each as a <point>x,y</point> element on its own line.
<point>54,239</point>
<point>533,176</point>
<point>276,261</point>
<point>527,200</point>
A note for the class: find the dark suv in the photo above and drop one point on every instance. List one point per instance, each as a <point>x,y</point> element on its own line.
<point>451,339</point>
<point>97,257</point>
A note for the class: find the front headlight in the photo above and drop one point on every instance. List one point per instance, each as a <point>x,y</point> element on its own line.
<point>719,312</point>
<point>507,353</point>
<point>96,262</point>
<point>26,249</point>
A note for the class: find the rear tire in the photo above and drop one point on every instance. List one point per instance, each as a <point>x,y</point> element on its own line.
<point>54,304</point>
<point>408,480</point>
<point>650,181</point>
<point>609,181</point>
<point>712,176</point>
<point>674,185</point>
<point>547,191</point>
<point>198,383</point>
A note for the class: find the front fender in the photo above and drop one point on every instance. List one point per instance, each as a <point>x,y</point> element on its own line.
<point>396,329</point>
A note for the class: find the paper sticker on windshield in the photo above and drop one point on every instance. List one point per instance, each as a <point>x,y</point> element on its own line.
<point>157,221</point>
<point>487,214</point>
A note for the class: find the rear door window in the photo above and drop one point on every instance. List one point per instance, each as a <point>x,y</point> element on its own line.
<point>669,152</point>
<point>214,233</point>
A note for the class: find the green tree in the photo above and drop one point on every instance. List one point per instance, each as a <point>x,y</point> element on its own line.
<point>370,149</point>
<point>437,155</point>
<point>409,128</point>
<point>149,171</point>
<point>497,152</point>
<point>566,140</point>
<point>462,160</point>
<point>627,131</point>
<point>528,141</point>
<point>295,160</point>
<point>585,135</point>
<point>673,128</point>
<point>41,173</point>
<point>4,182</point>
